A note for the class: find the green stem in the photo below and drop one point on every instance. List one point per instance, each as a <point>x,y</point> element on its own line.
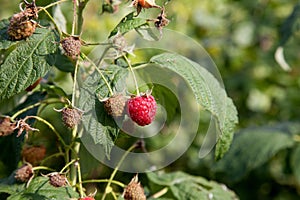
<point>80,180</point>
<point>42,167</point>
<point>160,193</point>
<point>74,92</point>
<point>54,3</point>
<point>74,16</point>
<point>101,74</point>
<point>67,165</point>
<point>132,72</point>
<point>116,170</point>
<point>104,181</point>
<point>53,21</point>
<point>32,106</point>
<point>50,126</point>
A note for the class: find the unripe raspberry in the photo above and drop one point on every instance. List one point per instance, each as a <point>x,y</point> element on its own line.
<point>134,190</point>
<point>71,116</point>
<point>115,105</point>
<point>71,46</point>
<point>24,173</point>
<point>57,179</point>
<point>21,24</point>
<point>34,155</point>
<point>20,28</point>
<point>142,109</point>
<point>6,126</point>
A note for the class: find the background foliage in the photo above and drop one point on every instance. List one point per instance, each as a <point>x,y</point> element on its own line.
<point>241,37</point>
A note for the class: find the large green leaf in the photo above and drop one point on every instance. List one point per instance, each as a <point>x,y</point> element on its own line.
<point>185,186</point>
<point>26,63</point>
<point>208,92</point>
<point>38,189</point>
<point>129,22</point>
<point>252,148</point>
<point>101,127</point>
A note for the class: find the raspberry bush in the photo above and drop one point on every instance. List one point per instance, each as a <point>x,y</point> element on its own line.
<point>65,94</point>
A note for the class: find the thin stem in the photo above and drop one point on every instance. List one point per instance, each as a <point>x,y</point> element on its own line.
<point>160,193</point>
<point>104,181</point>
<point>79,179</point>
<point>67,165</point>
<point>101,74</point>
<point>74,16</point>
<point>50,126</point>
<point>52,156</point>
<point>114,195</point>
<point>132,72</point>
<point>32,106</point>
<point>102,56</point>
<point>116,169</point>
<point>54,3</point>
<point>74,92</point>
<point>53,21</point>
<point>42,167</point>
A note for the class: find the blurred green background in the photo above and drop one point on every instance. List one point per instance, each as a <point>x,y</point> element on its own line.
<point>241,37</point>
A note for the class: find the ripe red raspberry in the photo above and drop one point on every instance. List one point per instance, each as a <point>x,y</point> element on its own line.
<point>142,109</point>
<point>86,198</point>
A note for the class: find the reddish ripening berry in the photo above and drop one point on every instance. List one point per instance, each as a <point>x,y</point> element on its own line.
<point>142,109</point>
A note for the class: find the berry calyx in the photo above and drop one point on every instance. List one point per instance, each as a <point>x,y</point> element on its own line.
<point>142,109</point>
<point>115,105</point>
<point>134,190</point>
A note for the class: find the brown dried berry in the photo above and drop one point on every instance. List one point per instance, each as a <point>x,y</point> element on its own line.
<point>161,20</point>
<point>71,46</point>
<point>71,116</point>
<point>6,126</point>
<point>134,190</point>
<point>57,179</point>
<point>115,105</point>
<point>33,154</point>
<point>21,25</point>
<point>24,173</point>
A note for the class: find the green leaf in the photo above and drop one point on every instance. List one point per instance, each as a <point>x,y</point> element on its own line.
<point>185,186</point>
<point>252,148</point>
<point>295,162</point>
<point>5,43</point>
<point>128,23</point>
<point>29,61</point>
<point>38,189</point>
<point>101,127</point>
<point>209,94</point>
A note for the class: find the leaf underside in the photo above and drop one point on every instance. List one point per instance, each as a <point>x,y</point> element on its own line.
<point>209,94</point>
